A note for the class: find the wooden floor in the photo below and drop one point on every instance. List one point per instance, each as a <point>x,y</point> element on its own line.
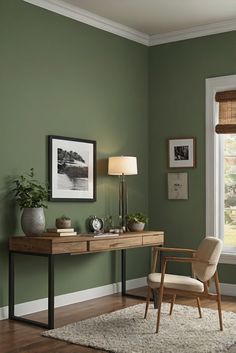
<point>16,337</point>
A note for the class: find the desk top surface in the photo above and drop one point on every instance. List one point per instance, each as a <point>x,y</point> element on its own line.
<point>84,243</point>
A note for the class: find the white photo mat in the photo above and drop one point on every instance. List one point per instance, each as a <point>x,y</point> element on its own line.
<point>177,186</point>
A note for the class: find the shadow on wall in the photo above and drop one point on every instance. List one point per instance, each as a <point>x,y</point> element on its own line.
<point>109,189</point>
<point>8,211</point>
<point>8,226</point>
<point>102,167</point>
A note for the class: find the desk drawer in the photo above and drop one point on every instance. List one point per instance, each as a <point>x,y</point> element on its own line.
<point>70,247</point>
<point>153,239</point>
<point>30,245</point>
<point>110,244</point>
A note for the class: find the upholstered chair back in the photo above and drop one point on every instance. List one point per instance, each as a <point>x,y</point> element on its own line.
<point>209,251</point>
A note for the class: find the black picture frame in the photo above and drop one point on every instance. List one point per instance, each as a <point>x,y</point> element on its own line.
<point>71,169</point>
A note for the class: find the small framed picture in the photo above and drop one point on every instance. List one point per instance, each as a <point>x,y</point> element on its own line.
<point>177,186</point>
<point>72,169</point>
<point>181,152</point>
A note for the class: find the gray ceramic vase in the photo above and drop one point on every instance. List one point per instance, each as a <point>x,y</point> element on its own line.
<point>33,221</point>
<point>136,227</point>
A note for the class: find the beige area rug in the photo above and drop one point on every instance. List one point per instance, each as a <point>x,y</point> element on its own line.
<point>125,331</point>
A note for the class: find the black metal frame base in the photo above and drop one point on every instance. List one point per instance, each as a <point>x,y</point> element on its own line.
<point>12,316</point>
<point>51,257</point>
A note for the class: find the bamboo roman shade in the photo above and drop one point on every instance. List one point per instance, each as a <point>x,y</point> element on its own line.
<point>227,112</point>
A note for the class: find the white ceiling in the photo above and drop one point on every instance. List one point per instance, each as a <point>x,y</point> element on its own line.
<point>150,22</point>
<point>161,16</point>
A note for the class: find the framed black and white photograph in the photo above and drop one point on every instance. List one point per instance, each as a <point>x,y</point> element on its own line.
<point>72,169</point>
<point>177,186</point>
<point>181,152</point>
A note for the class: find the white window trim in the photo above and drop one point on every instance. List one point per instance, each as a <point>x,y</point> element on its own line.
<point>213,223</point>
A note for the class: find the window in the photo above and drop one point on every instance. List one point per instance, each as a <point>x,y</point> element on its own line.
<point>221,164</point>
<point>228,199</point>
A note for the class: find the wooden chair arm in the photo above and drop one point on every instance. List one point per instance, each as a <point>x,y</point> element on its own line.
<point>179,259</point>
<point>159,249</point>
<point>186,259</point>
<point>192,251</point>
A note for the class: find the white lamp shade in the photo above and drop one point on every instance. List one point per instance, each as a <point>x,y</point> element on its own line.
<point>122,165</point>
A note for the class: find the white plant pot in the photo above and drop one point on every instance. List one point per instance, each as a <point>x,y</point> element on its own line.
<point>33,221</point>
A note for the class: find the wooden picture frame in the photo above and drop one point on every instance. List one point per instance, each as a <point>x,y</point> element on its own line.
<point>182,152</point>
<point>71,169</point>
<point>177,186</point>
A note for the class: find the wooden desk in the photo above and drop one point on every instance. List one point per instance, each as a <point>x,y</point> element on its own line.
<point>76,245</point>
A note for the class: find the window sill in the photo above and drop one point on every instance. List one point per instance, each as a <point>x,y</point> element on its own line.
<point>228,258</point>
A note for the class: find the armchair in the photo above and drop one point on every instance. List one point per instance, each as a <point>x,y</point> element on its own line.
<point>204,262</point>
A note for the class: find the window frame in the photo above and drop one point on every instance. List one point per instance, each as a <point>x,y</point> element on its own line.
<point>213,162</point>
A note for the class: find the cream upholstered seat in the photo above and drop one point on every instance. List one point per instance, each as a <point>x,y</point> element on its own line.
<point>204,262</point>
<point>176,282</point>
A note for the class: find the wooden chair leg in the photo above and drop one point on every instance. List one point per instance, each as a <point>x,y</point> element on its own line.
<point>199,307</point>
<point>161,291</point>
<point>155,298</point>
<point>218,300</point>
<point>147,301</point>
<point>172,304</point>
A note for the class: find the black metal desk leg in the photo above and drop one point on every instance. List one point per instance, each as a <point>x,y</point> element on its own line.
<point>12,315</point>
<point>123,271</point>
<point>123,278</point>
<point>51,291</point>
<point>11,289</point>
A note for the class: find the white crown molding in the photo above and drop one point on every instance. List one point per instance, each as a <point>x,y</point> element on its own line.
<point>78,14</point>
<point>193,32</point>
<point>62,8</point>
<point>35,306</point>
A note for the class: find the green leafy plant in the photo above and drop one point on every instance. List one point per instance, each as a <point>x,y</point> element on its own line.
<point>137,217</point>
<point>64,218</point>
<point>30,193</point>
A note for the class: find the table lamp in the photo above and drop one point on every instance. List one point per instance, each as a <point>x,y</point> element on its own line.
<point>121,166</point>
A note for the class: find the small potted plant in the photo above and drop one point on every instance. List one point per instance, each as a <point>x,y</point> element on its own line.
<point>63,222</point>
<point>136,221</point>
<point>31,196</point>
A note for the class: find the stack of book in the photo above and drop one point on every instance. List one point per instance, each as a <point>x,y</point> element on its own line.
<point>59,232</point>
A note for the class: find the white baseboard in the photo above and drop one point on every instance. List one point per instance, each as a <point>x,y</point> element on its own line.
<point>226,289</point>
<point>71,298</point>
<point>87,294</point>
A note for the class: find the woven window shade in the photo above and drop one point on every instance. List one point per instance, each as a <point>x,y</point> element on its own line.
<point>227,112</point>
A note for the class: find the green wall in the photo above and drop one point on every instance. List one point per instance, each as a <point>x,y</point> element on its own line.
<point>177,74</point>
<point>62,77</point>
